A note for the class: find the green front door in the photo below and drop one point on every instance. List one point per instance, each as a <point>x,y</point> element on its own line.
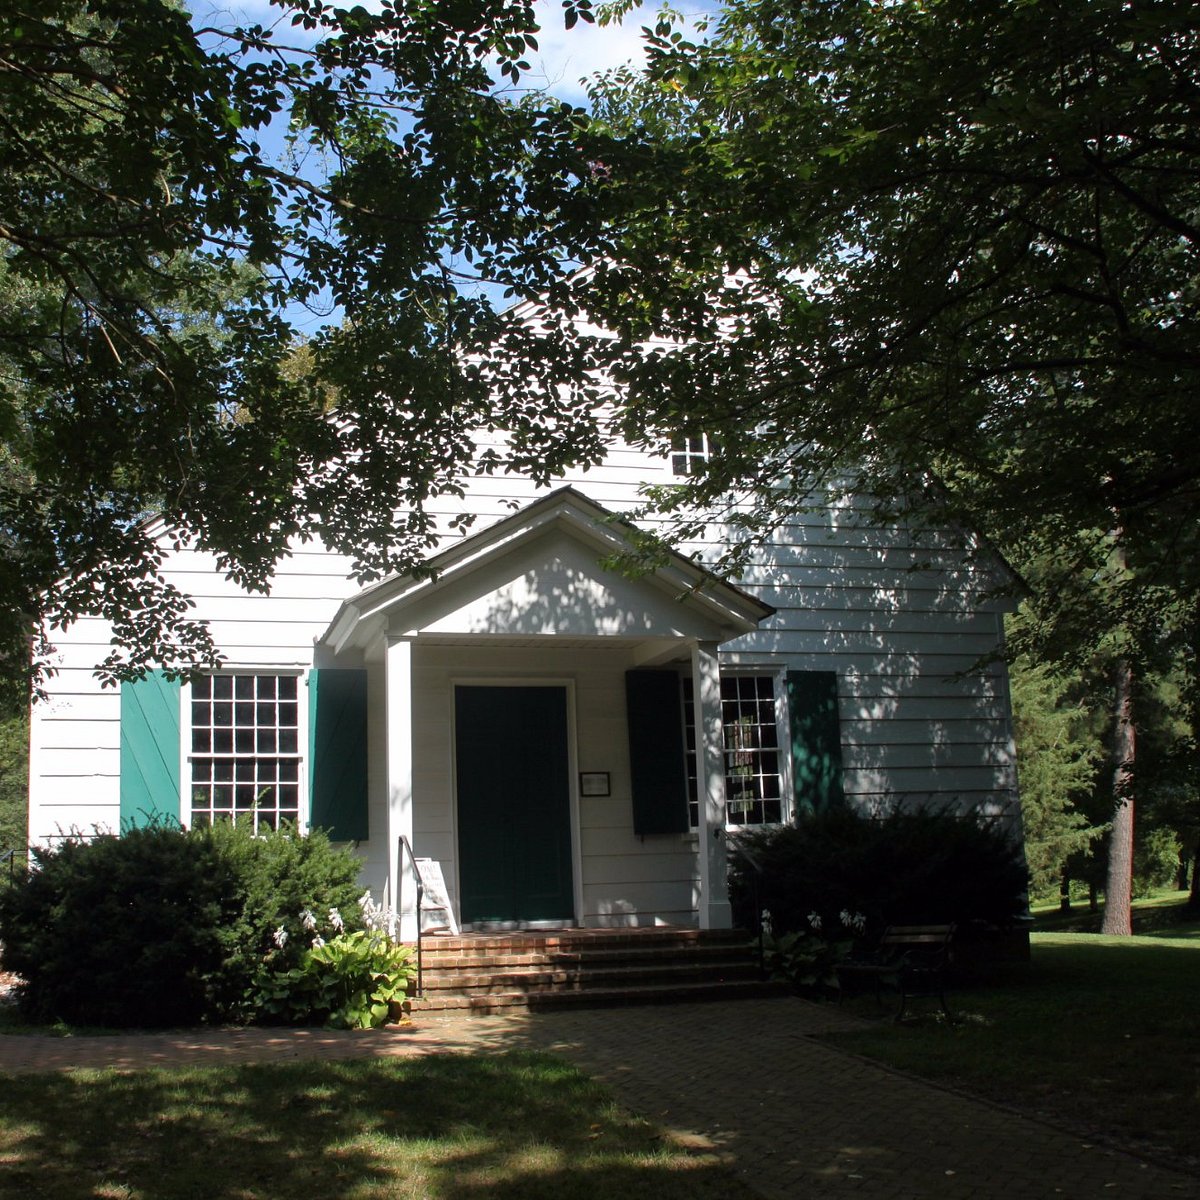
<point>514,812</point>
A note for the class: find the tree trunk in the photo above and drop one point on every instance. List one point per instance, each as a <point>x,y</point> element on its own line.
<point>1193,901</point>
<point>1064,893</point>
<point>1118,891</point>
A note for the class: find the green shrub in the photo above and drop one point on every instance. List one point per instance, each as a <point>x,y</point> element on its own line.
<point>1155,860</point>
<point>921,866</point>
<point>118,931</point>
<point>276,876</point>
<point>163,926</point>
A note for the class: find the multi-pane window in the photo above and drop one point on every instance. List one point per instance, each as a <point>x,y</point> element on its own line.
<point>753,765</point>
<point>245,749</point>
<point>689,453</point>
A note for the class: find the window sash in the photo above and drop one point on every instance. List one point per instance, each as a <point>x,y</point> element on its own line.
<point>690,453</point>
<point>755,750</point>
<point>244,737</point>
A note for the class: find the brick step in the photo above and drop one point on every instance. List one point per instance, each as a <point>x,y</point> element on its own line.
<point>573,941</point>
<point>493,1002</point>
<point>533,979</point>
<point>481,959</point>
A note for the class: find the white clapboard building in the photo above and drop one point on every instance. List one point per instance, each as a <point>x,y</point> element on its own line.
<point>572,746</point>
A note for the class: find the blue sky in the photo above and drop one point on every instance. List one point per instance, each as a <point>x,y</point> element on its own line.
<point>563,58</point>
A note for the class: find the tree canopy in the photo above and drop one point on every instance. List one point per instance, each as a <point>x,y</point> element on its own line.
<point>171,195</point>
<point>973,233</point>
<point>946,252</point>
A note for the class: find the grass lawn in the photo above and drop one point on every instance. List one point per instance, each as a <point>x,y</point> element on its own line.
<point>1162,915</point>
<point>455,1127</point>
<point>1100,1033</point>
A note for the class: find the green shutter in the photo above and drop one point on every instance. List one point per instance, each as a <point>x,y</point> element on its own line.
<point>337,752</point>
<point>149,750</point>
<point>816,739</point>
<point>658,776</point>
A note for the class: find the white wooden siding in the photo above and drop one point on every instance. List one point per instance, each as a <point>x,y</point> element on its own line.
<point>901,616</point>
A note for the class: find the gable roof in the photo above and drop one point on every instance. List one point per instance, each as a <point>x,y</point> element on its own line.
<point>541,571</point>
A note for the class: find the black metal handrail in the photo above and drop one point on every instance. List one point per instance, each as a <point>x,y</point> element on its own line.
<point>406,848</point>
<point>756,873</point>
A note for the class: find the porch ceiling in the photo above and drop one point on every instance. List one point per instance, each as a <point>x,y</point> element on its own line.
<point>540,574</point>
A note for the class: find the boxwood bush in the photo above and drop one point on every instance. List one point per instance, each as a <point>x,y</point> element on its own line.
<point>163,926</point>
<point>912,867</point>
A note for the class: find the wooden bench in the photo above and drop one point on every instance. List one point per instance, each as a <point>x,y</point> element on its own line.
<point>911,959</point>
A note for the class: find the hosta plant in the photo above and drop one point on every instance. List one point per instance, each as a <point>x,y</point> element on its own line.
<point>353,980</point>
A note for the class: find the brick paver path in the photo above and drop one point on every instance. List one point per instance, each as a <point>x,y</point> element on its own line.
<point>744,1081</point>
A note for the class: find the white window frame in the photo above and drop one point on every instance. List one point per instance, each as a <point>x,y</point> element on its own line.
<point>689,453</point>
<point>778,677</point>
<point>188,757</point>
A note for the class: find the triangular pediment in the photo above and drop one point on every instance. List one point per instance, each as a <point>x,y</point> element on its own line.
<point>542,573</point>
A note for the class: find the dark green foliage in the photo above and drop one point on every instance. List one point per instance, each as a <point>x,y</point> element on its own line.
<point>157,252</point>
<point>274,877</point>
<point>906,868</point>
<point>118,931</point>
<point>14,789</point>
<point>163,926</point>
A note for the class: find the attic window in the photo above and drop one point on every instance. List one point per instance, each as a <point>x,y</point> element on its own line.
<point>245,741</point>
<point>690,453</point>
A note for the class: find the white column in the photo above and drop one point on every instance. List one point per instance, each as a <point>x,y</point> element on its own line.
<point>401,884</point>
<point>715,912</point>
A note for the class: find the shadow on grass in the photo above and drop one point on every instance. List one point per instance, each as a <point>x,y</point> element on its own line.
<point>447,1128</point>
<point>1099,1032</point>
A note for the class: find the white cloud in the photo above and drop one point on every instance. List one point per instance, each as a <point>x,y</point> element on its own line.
<point>565,56</point>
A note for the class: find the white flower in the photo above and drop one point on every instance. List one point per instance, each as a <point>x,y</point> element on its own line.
<point>318,941</point>
<point>814,919</point>
<point>280,937</point>
<point>308,920</point>
<point>365,902</point>
<point>766,920</point>
<point>335,919</point>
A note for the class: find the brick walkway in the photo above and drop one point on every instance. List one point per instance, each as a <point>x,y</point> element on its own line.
<point>744,1081</point>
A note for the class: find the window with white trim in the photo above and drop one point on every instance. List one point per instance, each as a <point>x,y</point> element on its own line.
<point>245,749</point>
<point>754,770</point>
<point>690,453</point>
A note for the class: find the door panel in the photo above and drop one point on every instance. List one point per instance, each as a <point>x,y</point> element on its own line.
<point>514,815</point>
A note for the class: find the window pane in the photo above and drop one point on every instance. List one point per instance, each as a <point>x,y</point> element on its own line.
<point>245,749</point>
<point>753,783</point>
